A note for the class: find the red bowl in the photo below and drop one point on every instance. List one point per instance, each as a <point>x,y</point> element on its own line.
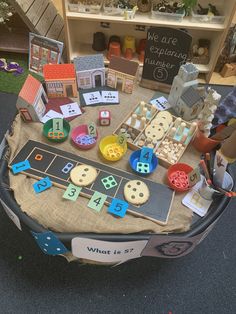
<point>177,176</point>
<point>81,130</point>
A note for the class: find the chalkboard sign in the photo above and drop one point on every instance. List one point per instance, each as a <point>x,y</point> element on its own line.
<point>166,50</point>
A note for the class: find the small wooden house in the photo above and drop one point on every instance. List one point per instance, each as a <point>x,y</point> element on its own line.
<point>122,72</point>
<point>32,100</point>
<point>60,80</point>
<point>189,104</point>
<point>90,71</point>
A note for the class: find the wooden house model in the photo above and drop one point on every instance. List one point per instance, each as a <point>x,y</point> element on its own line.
<point>90,71</point>
<point>122,72</point>
<point>60,80</point>
<point>32,100</point>
<point>189,104</point>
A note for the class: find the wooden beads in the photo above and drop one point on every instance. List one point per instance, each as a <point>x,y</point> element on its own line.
<point>170,150</point>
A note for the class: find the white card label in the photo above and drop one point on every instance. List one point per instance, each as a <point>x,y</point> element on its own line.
<point>11,215</point>
<point>195,201</point>
<point>220,165</point>
<point>110,97</point>
<point>107,252</point>
<point>161,103</point>
<point>92,98</point>
<point>70,110</point>
<point>51,114</point>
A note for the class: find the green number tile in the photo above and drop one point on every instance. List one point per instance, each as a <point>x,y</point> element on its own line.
<point>92,129</point>
<point>97,200</point>
<point>72,192</point>
<point>121,139</point>
<point>57,125</point>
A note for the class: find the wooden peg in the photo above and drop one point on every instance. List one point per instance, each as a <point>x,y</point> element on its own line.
<point>152,110</point>
<point>177,122</point>
<point>181,128</point>
<point>133,119</point>
<point>141,107</point>
<point>172,132</point>
<point>142,123</point>
<point>192,128</point>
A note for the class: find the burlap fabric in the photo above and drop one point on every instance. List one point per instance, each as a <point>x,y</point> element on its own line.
<point>53,212</point>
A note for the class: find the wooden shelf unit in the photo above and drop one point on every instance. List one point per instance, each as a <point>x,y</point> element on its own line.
<point>80,28</point>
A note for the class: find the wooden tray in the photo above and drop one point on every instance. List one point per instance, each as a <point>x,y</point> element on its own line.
<point>164,148</point>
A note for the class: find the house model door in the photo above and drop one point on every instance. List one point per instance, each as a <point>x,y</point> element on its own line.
<point>69,91</point>
<point>98,80</point>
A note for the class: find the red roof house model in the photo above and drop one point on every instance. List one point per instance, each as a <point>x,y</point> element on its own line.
<point>58,72</point>
<point>30,89</point>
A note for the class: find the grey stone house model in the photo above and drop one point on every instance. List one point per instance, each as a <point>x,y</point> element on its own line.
<point>90,71</point>
<point>185,97</point>
<point>189,104</point>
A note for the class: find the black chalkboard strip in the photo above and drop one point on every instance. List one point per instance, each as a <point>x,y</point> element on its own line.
<point>166,50</point>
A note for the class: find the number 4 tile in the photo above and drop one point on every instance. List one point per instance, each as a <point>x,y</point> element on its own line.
<point>97,201</point>
<point>146,155</point>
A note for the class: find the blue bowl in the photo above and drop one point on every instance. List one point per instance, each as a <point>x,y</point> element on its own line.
<point>134,159</point>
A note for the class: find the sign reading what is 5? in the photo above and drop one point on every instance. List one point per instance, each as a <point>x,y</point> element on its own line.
<point>105,251</point>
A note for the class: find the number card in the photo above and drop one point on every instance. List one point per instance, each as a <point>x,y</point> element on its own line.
<point>220,165</point>
<point>42,185</point>
<point>92,98</point>
<point>92,129</point>
<point>110,97</point>
<point>118,207</point>
<point>97,201</point>
<point>20,166</point>
<point>51,114</point>
<point>121,139</point>
<point>70,110</point>
<point>72,192</point>
<point>161,103</point>
<point>57,125</point>
<point>194,177</point>
<point>195,202</point>
<point>146,155</point>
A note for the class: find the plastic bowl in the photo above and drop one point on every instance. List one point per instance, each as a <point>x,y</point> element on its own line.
<point>177,177</point>
<point>110,149</point>
<point>134,159</point>
<point>57,137</point>
<point>80,131</point>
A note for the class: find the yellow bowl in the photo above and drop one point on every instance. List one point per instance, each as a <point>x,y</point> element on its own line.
<point>110,149</point>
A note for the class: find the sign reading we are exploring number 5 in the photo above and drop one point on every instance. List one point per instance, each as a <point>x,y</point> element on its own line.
<point>166,50</point>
